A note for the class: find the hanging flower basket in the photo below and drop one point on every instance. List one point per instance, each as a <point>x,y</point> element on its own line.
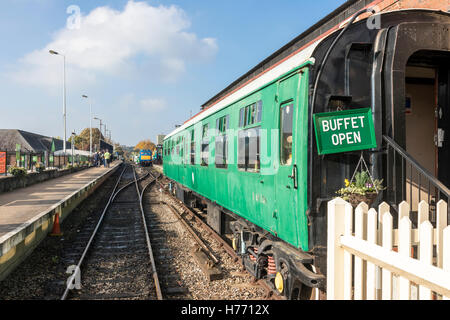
<point>355,199</point>
<point>362,187</point>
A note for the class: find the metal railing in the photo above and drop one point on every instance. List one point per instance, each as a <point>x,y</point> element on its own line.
<point>407,180</point>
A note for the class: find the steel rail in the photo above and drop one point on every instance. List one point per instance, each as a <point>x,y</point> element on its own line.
<point>228,249</point>
<point>147,237</point>
<point>94,233</point>
<point>213,233</point>
<point>192,232</point>
<point>197,239</point>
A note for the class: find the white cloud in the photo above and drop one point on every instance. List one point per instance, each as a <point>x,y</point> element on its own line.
<point>111,42</point>
<point>153,104</point>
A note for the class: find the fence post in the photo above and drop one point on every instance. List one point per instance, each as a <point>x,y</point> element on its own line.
<point>360,264</point>
<point>404,248</point>
<point>386,293</point>
<point>403,211</point>
<point>348,268</point>
<point>422,216</point>
<point>424,213</point>
<point>426,251</point>
<point>371,270</point>
<point>446,254</point>
<point>441,223</point>
<point>382,209</point>
<point>335,254</point>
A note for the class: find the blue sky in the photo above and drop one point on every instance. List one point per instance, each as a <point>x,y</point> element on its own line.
<point>147,65</point>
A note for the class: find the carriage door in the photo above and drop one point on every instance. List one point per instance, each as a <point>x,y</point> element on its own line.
<point>443,125</point>
<point>286,177</point>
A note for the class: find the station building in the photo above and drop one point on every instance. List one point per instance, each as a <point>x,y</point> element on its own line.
<point>25,149</point>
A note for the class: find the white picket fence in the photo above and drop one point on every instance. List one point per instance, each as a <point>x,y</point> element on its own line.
<point>368,259</point>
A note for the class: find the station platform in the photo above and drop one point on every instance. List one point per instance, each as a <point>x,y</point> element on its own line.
<point>27,214</point>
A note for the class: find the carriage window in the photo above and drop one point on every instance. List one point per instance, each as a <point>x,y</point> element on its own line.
<point>221,151</point>
<point>182,146</point>
<point>205,145</point>
<point>241,117</point>
<point>222,124</point>
<point>249,149</point>
<point>251,114</point>
<point>259,111</point>
<point>192,147</point>
<point>286,118</point>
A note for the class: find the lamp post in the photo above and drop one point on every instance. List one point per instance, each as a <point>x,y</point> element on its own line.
<point>73,145</point>
<point>64,95</point>
<point>108,133</point>
<point>100,136</point>
<point>90,125</point>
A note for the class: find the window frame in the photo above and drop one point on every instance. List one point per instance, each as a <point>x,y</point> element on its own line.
<point>192,148</point>
<point>222,127</point>
<point>243,135</point>
<point>253,110</point>
<point>284,162</point>
<point>205,145</point>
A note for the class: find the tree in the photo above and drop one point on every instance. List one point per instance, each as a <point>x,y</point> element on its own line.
<point>119,149</point>
<point>82,140</point>
<point>145,145</point>
<point>79,143</point>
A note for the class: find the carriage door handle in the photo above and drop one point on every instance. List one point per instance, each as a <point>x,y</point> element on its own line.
<point>294,176</point>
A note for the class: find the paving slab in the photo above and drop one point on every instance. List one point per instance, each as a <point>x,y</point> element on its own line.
<point>27,215</point>
<point>19,206</point>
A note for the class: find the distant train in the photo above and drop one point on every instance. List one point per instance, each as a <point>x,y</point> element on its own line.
<point>145,158</point>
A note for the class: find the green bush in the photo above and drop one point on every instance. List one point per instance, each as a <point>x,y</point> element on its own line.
<point>17,172</point>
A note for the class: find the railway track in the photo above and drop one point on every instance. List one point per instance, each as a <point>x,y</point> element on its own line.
<point>116,257</point>
<point>204,235</point>
<point>126,253</point>
<point>164,260</point>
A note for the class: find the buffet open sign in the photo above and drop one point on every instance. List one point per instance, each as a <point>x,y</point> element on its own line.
<point>343,131</point>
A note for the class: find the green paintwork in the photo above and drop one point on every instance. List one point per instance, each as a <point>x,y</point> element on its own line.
<point>343,131</point>
<point>266,198</point>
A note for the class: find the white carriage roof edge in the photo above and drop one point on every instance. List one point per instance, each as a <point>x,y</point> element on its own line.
<point>283,68</point>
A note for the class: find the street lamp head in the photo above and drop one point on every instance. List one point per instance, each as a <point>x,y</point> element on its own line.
<point>53,52</point>
<point>84,96</point>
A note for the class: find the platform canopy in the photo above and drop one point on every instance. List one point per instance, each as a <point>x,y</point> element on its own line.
<point>69,152</point>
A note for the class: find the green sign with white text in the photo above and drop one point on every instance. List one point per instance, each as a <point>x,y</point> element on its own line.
<point>344,131</point>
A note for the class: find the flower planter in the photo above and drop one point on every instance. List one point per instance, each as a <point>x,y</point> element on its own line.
<point>356,199</point>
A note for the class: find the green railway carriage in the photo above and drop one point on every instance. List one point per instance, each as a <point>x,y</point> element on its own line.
<point>250,157</point>
<point>252,178</point>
